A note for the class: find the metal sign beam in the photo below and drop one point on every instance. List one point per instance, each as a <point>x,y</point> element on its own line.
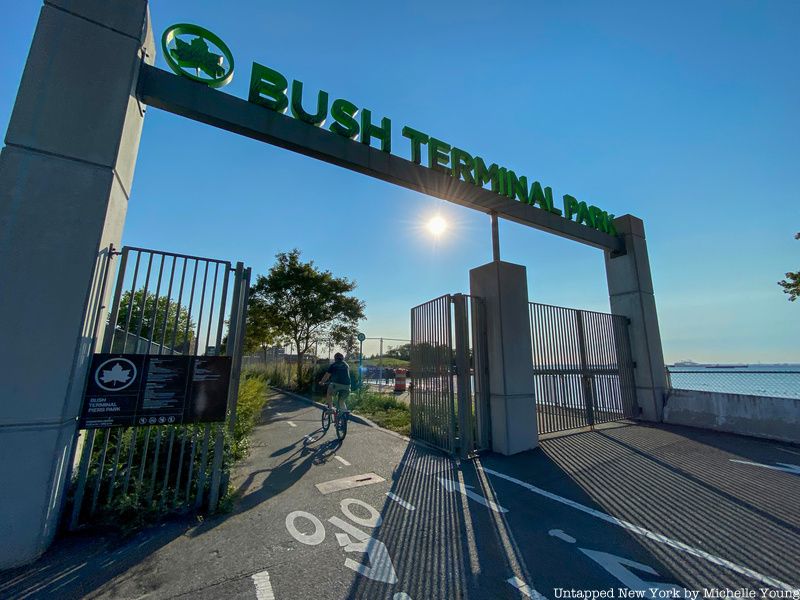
<point>186,98</point>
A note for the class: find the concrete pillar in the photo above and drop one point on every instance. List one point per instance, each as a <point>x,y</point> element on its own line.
<point>504,289</point>
<point>65,179</point>
<point>630,290</point>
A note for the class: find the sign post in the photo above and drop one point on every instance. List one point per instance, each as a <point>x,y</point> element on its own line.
<point>361,337</point>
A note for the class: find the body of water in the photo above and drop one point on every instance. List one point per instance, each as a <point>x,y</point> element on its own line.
<point>780,381</point>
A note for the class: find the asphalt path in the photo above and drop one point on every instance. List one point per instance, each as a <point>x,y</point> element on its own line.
<point>631,511</point>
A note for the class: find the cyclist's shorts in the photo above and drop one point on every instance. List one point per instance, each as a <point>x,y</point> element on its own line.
<point>335,388</point>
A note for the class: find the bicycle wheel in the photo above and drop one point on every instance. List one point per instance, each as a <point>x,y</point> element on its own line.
<point>326,419</point>
<point>341,425</point>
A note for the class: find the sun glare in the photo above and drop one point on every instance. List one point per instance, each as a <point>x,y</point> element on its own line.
<point>437,225</point>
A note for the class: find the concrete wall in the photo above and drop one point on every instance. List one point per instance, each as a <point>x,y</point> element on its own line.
<point>758,416</point>
<point>65,180</point>
<point>630,290</point>
<point>504,289</point>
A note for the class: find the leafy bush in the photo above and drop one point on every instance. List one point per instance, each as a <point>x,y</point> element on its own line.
<point>252,398</point>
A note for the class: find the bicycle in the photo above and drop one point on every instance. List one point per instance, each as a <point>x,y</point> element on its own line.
<point>339,418</point>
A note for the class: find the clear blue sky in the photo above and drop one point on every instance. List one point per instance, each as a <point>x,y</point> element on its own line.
<point>685,114</point>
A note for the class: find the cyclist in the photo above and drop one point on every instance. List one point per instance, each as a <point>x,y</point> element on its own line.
<point>339,375</point>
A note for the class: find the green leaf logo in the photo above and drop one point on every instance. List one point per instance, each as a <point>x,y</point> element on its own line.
<point>187,52</point>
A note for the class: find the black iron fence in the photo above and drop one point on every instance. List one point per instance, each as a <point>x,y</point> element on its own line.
<point>583,370</point>
<point>165,304</point>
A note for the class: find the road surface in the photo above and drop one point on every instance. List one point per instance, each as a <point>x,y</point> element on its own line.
<point>634,511</point>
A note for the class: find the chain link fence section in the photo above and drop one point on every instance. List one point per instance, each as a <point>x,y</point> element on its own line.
<point>773,382</point>
<point>384,365</point>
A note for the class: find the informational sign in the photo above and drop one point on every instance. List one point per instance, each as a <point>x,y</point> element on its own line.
<point>163,391</point>
<point>138,389</point>
<point>208,390</point>
<point>112,390</point>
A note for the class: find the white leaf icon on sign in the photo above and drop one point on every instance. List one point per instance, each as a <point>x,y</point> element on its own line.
<point>116,374</point>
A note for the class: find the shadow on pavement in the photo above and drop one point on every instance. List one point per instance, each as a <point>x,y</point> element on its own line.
<point>672,483</point>
<point>80,563</point>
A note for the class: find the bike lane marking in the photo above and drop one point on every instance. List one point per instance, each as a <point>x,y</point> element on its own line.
<point>263,586</point>
<point>656,537</point>
<point>785,467</point>
<point>400,501</point>
<point>465,489</point>
<point>525,589</point>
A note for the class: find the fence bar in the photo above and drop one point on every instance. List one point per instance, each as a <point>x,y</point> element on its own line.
<point>461,329</point>
<point>583,374</point>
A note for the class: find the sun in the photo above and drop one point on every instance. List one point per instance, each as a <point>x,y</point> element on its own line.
<point>437,225</point>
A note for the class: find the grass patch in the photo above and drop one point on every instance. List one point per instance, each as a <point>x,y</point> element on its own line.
<point>388,362</point>
<point>252,398</point>
<point>382,409</point>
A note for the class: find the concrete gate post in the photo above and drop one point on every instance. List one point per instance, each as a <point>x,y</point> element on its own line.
<point>512,403</point>
<point>65,179</point>
<point>630,290</point>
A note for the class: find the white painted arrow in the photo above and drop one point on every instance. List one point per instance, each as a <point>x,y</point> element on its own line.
<point>785,467</point>
<point>455,486</point>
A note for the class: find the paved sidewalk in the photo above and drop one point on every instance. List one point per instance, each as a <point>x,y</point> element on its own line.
<point>653,509</point>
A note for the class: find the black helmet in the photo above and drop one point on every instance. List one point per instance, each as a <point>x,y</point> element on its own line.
<point>338,356</point>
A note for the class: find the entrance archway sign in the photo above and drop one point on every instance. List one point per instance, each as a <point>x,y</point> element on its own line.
<point>65,178</point>
<point>183,97</point>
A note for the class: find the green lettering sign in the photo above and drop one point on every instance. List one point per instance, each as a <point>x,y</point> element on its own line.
<point>344,116</point>
<point>268,88</point>
<point>382,133</point>
<point>198,54</point>
<point>317,118</point>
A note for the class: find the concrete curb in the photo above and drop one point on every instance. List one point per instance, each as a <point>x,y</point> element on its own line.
<point>353,416</point>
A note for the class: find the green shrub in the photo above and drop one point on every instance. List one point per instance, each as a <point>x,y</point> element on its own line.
<point>252,398</point>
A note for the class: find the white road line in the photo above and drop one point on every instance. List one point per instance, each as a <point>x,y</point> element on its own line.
<point>787,450</point>
<point>785,467</point>
<point>263,586</point>
<point>291,424</point>
<point>525,589</point>
<point>656,537</point>
<point>341,460</point>
<point>400,501</point>
<point>457,486</point>
<point>558,533</point>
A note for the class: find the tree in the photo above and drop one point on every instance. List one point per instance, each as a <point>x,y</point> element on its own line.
<point>791,285</point>
<point>260,331</point>
<point>401,352</point>
<point>159,316</point>
<point>304,304</point>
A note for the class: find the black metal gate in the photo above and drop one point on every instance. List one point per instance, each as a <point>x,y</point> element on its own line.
<point>583,369</point>
<point>449,394</point>
<point>173,304</point>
